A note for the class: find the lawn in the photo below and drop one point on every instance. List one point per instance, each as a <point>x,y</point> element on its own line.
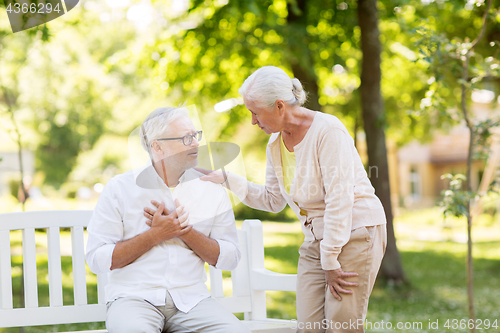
<point>433,254</point>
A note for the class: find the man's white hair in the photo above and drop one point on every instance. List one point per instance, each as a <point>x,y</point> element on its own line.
<point>268,84</point>
<point>157,124</point>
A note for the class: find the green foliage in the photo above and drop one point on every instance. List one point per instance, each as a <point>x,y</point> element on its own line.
<point>242,212</point>
<point>450,55</point>
<point>436,35</point>
<point>14,186</point>
<point>81,75</point>
<point>62,91</point>
<point>320,37</point>
<point>437,275</point>
<point>483,138</point>
<point>492,199</point>
<point>455,200</point>
<point>442,46</point>
<point>209,62</point>
<point>108,158</point>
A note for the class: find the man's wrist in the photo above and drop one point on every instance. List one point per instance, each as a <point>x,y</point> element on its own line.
<point>152,237</point>
<point>187,234</point>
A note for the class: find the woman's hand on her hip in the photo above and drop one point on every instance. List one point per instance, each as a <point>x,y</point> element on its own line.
<point>335,279</point>
<point>217,177</point>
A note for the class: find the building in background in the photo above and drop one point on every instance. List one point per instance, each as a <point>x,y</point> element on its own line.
<point>420,166</point>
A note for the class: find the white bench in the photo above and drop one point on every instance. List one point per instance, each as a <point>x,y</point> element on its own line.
<point>250,279</point>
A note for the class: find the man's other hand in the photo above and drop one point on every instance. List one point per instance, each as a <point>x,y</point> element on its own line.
<point>167,225</point>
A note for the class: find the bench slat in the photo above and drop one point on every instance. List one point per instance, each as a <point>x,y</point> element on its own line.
<point>50,315</point>
<point>55,274</point>
<point>79,280</point>
<point>29,268</point>
<point>256,261</point>
<point>102,281</point>
<point>5,271</point>
<point>45,219</point>
<point>240,276</point>
<point>264,279</point>
<point>216,288</point>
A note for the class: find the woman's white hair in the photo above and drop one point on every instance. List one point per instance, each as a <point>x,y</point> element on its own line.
<point>268,84</point>
<point>156,124</point>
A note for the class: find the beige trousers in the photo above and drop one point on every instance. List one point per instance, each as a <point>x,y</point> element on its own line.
<point>317,309</point>
<point>135,315</point>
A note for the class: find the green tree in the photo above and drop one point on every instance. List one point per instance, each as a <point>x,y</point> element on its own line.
<point>67,88</point>
<point>374,124</point>
<point>318,42</point>
<point>462,63</point>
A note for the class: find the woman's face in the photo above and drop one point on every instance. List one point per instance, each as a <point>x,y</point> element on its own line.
<point>267,120</point>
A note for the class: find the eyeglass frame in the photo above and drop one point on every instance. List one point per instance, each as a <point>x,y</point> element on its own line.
<point>191,136</point>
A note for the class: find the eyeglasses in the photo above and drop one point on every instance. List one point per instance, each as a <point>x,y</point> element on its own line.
<point>187,139</point>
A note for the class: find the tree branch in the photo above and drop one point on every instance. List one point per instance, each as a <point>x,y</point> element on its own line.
<point>18,141</point>
<point>483,29</point>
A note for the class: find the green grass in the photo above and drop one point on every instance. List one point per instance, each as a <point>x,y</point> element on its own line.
<point>435,269</point>
<point>438,287</point>
<point>433,258</point>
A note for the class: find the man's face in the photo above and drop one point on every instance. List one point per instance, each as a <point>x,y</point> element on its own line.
<point>175,153</point>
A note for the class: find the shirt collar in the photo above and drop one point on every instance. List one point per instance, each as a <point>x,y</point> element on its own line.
<point>147,177</point>
<point>272,139</point>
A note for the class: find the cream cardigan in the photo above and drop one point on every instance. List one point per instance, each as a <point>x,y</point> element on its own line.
<point>330,194</point>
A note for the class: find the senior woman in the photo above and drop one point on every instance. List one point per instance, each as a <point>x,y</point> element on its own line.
<point>313,165</point>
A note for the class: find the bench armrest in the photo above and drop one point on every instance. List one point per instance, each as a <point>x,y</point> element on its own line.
<point>264,279</point>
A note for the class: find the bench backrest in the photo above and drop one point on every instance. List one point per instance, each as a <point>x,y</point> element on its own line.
<point>244,298</point>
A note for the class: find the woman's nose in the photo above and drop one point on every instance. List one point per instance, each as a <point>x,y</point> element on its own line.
<point>254,120</point>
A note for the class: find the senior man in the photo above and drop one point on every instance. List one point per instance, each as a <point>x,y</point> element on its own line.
<point>156,268</point>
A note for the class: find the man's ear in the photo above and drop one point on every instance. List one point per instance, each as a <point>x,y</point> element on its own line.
<point>157,147</point>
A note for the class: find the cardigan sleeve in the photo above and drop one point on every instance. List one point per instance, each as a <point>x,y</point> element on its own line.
<point>337,172</point>
<point>266,197</point>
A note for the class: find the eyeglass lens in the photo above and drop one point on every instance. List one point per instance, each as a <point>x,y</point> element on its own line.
<point>188,139</point>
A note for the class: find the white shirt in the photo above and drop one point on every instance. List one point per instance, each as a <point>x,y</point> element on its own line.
<point>170,265</point>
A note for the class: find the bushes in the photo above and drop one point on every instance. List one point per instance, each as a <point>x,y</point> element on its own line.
<point>243,212</point>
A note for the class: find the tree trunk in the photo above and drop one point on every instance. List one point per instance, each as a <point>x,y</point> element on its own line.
<point>468,187</point>
<point>374,122</point>
<point>302,62</point>
<point>309,81</point>
<point>468,184</point>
